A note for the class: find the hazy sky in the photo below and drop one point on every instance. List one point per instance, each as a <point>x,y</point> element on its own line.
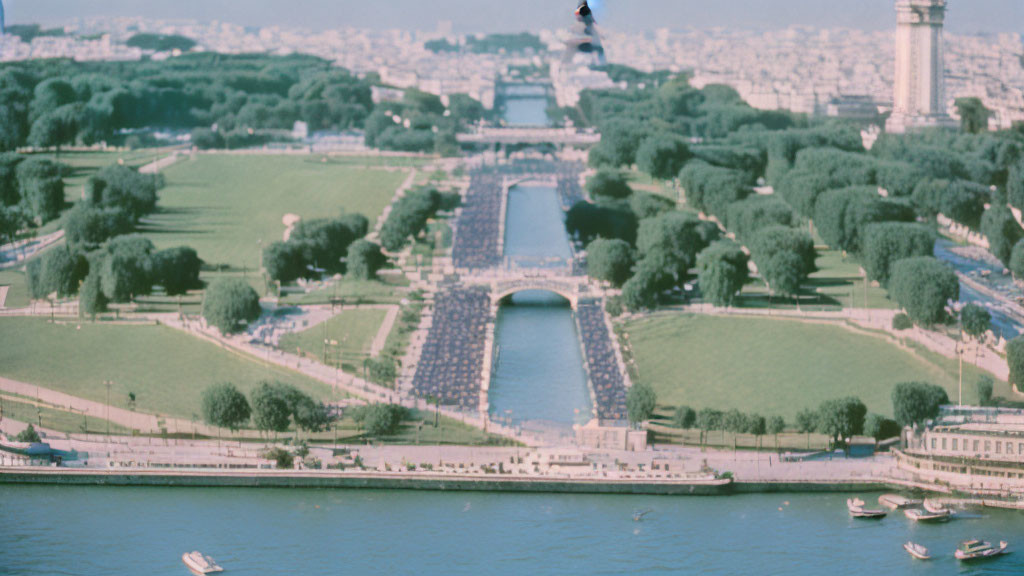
<point>966,16</point>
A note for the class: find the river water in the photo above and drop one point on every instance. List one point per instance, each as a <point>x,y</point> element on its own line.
<point>1004,323</point>
<point>100,531</point>
<point>526,106</point>
<point>539,380</point>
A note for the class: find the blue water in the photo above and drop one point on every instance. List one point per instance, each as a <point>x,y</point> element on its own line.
<point>101,531</point>
<point>528,106</point>
<point>535,229</point>
<point>1003,323</point>
<point>539,378</point>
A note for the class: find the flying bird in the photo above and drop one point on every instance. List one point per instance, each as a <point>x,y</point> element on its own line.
<point>586,39</point>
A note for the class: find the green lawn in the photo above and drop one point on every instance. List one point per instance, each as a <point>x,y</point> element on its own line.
<point>776,367</point>
<point>225,205</point>
<point>17,294</point>
<point>353,330</point>
<point>166,369</point>
<point>53,418</point>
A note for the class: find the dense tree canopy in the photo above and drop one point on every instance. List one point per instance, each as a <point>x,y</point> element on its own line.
<point>915,402</point>
<point>610,260</point>
<point>976,320</point>
<point>842,419</point>
<point>608,183</point>
<point>1015,358</point>
<point>924,286</point>
<point>722,272</point>
<point>663,155</point>
<point>973,115</point>
<point>408,218</point>
<point>640,402</point>
<point>364,260</point>
<point>225,407</point>
<point>1002,231</point>
<point>959,200</point>
<point>229,304</point>
<point>888,242</point>
<point>127,269</point>
<point>177,270</point>
<point>785,257</point>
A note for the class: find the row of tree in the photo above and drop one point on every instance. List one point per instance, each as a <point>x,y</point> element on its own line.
<point>273,407</point>
<point>410,214</point>
<point>322,245</point>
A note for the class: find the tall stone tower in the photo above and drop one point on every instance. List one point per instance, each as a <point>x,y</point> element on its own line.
<point>1,18</point>
<point>920,95</point>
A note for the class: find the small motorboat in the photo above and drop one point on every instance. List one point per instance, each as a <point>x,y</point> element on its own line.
<point>199,563</point>
<point>857,510</point>
<point>897,502</point>
<point>917,551</point>
<point>979,550</point>
<point>935,507</point>
<point>920,515</point>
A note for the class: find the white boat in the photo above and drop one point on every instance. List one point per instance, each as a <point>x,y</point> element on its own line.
<point>919,515</point>
<point>199,563</point>
<point>897,502</point>
<point>917,551</point>
<point>857,510</point>
<point>935,507</point>
<point>978,550</point>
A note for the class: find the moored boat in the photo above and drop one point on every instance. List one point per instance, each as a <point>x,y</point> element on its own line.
<point>979,550</point>
<point>920,515</point>
<point>199,563</point>
<point>917,551</point>
<point>857,510</point>
<point>897,502</point>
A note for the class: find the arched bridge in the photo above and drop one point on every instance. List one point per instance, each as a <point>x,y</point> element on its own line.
<point>568,287</point>
<point>509,136</point>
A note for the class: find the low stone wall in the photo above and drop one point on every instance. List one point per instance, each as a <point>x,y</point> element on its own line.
<point>427,482</point>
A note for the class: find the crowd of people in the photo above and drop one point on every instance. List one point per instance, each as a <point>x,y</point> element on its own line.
<point>479,226</point>
<point>605,375</point>
<point>451,363</point>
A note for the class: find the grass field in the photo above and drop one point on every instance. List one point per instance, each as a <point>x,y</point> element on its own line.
<point>776,367</point>
<point>353,330</point>
<point>17,294</point>
<point>166,369</point>
<point>224,206</point>
<point>53,418</point>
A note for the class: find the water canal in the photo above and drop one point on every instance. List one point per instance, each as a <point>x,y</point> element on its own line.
<point>526,105</point>
<point>97,531</point>
<point>1004,322</point>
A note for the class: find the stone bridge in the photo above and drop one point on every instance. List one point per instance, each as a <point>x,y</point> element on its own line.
<point>512,136</point>
<point>571,288</point>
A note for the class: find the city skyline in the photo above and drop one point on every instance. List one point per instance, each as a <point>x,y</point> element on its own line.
<point>983,16</point>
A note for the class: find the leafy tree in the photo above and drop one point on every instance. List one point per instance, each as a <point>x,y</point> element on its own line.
<point>1015,184</point>
<point>923,287</point>
<point>785,257</point>
<point>42,188</point>
<point>684,418</point>
<point>87,226</point>
<point>381,420</point>
<point>364,260</point>
<point>408,218</point>
<point>610,260</point>
<point>757,425</point>
<point>127,269</point>
<point>807,421</point>
<point>225,407</point>
<point>608,183</point>
<point>663,155</point>
<point>641,291</point>
<point>283,459</point>
<point>12,220</point>
<point>985,387</point>
<point>326,241</point>
<point>271,410</point>
<point>646,205</point>
<point>888,242</point>
<point>91,300</point>
<point>902,322</point>
<point>975,320</point>
<point>1002,230</point>
<point>586,222</point>
<point>915,402</point>
<point>712,189</point>
<point>640,402</point>
<point>229,304</point>
<point>735,421</point>
<point>1016,265</point>
<point>746,217</point>
<point>959,200</point>
<point>722,272</point>
<point>310,415</point>
<point>382,370</point>
<point>121,187</point>
<point>841,215</point>
<point>28,435</point>
<point>776,425</point>
<point>880,427</point>
<point>465,110</point>
<point>287,261</point>
<point>62,272</point>
<point>973,115</point>
<point>842,419</point>
<point>177,270</point>
<point>674,239</point>
<point>620,140</point>
<point>710,419</point>
<point>1015,358</point>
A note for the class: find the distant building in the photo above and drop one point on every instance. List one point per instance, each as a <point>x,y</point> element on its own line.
<point>919,91</point>
<point>967,448</point>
